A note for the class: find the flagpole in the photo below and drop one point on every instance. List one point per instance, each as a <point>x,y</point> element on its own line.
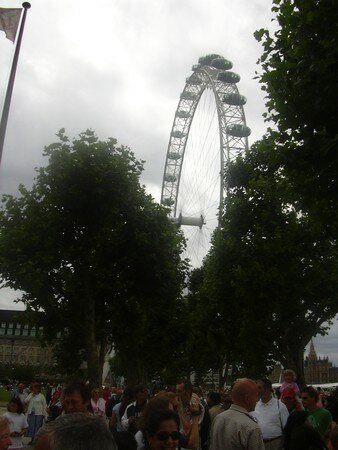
<point>5,111</point>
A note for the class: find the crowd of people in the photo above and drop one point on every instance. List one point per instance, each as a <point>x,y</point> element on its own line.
<point>250,416</point>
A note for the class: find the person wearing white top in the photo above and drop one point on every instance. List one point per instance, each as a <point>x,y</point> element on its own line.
<point>36,411</point>
<point>98,403</point>
<point>17,423</point>
<point>271,415</point>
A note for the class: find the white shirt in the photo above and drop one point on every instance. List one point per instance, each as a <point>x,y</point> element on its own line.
<point>36,404</point>
<point>116,410</point>
<point>99,407</point>
<point>272,417</point>
<point>17,423</point>
<point>22,396</point>
<point>139,438</point>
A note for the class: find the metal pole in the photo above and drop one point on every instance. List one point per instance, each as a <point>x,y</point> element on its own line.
<point>5,111</point>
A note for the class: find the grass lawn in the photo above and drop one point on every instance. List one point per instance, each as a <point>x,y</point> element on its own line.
<point>4,395</point>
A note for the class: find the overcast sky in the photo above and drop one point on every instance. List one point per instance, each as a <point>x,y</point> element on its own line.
<point>118,67</point>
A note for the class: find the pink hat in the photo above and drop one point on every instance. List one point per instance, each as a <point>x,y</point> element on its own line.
<point>288,393</point>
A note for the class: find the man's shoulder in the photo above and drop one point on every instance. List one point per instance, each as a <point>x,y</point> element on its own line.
<point>216,409</point>
<point>117,406</point>
<point>281,405</point>
<point>222,414</point>
<point>237,414</point>
<point>275,402</point>
<point>129,409</point>
<point>322,412</point>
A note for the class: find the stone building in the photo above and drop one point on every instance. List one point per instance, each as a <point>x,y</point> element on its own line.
<point>316,370</point>
<point>20,344</point>
<point>319,370</point>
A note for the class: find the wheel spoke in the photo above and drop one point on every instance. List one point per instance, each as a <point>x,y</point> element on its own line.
<point>209,129</point>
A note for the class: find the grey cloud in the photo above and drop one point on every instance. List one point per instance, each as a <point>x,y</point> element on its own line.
<point>118,68</point>
<point>327,345</point>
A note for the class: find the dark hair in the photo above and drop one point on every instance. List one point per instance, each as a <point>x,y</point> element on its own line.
<point>128,394</point>
<point>155,418</point>
<point>295,420</point>
<point>305,437</point>
<point>215,398</point>
<point>78,431</point>
<point>37,385</point>
<point>313,393</point>
<point>266,383</point>
<point>19,404</point>
<point>188,387</point>
<point>124,440</point>
<point>198,391</point>
<point>81,388</point>
<point>158,403</point>
<point>139,388</point>
<point>126,399</point>
<point>333,438</point>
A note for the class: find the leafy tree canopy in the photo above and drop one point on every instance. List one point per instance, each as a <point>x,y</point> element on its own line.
<point>93,251</point>
<point>300,63</point>
<point>270,278</point>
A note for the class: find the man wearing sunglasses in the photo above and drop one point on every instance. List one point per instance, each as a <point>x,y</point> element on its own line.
<point>319,418</point>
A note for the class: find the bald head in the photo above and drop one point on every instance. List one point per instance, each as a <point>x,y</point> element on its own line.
<point>245,394</point>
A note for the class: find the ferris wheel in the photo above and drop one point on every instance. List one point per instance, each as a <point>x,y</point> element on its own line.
<point>208,131</point>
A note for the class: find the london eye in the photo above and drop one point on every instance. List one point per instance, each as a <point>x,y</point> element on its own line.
<point>208,131</point>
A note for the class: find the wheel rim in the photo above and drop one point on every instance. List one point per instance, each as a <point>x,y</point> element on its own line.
<point>209,130</point>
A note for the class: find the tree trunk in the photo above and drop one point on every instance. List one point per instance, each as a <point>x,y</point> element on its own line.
<point>235,372</point>
<point>92,352</point>
<point>130,367</point>
<point>222,375</point>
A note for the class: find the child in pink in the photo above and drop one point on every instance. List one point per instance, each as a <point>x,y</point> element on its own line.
<point>289,383</point>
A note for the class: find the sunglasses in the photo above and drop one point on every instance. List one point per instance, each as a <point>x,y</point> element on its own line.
<point>304,398</point>
<point>164,435</point>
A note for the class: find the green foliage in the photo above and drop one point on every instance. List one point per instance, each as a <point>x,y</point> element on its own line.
<point>271,276</point>
<point>299,67</point>
<point>284,269</point>
<point>269,282</point>
<point>94,252</point>
<point>17,372</point>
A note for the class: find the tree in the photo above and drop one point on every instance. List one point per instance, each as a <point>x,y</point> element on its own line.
<point>270,274</point>
<point>272,271</point>
<point>20,372</point>
<point>93,251</point>
<point>300,63</point>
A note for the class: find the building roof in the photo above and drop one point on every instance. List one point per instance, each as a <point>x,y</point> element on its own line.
<point>12,315</point>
